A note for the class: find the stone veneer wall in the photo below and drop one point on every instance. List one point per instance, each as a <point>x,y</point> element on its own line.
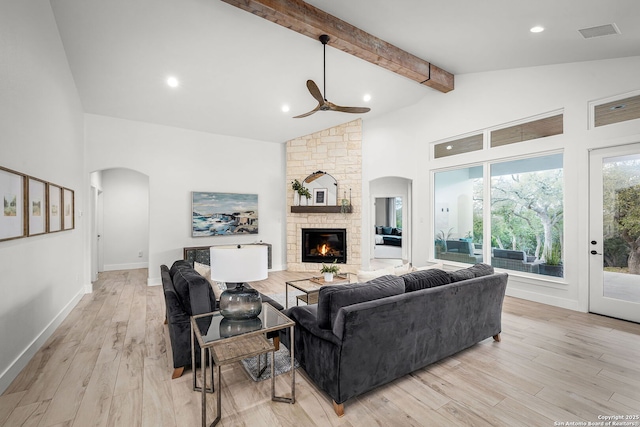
<point>338,152</point>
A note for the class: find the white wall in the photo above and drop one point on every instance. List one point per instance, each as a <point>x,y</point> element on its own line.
<point>125,232</point>
<point>179,161</point>
<point>41,123</point>
<point>490,99</point>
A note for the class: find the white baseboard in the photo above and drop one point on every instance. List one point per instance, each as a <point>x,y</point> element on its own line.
<point>543,298</point>
<point>132,266</point>
<point>21,361</point>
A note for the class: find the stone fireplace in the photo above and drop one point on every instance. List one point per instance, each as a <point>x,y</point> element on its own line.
<point>338,152</point>
<point>324,245</point>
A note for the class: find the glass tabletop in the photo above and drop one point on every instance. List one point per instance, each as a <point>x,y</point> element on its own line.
<point>315,283</point>
<point>212,327</point>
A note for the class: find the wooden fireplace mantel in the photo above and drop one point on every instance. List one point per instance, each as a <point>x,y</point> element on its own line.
<point>321,209</point>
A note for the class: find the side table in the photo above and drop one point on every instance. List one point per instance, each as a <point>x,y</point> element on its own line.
<point>211,329</point>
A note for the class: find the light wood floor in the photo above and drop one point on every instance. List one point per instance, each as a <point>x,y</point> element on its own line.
<point>108,364</point>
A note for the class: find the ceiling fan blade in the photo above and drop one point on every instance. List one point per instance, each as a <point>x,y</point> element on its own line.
<point>309,113</point>
<point>315,92</point>
<point>356,110</point>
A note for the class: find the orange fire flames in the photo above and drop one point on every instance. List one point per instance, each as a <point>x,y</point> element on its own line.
<point>324,249</point>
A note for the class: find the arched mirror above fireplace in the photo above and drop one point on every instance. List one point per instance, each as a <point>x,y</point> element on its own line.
<point>323,189</point>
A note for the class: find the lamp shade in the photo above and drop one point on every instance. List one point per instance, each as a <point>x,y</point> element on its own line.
<point>239,264</point>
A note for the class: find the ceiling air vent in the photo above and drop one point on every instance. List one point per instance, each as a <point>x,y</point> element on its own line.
<point>599,31</point>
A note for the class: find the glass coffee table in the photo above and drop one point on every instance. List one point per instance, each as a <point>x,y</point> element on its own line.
<point>223,341</point>
<point>310,287</point>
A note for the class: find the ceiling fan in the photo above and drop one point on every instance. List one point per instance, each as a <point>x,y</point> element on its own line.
<point>323,104</point>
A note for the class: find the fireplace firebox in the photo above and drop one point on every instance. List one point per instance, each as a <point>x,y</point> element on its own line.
<point>324,245</point>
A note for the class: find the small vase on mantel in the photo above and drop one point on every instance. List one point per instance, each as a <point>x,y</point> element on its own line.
<point>296,198</point>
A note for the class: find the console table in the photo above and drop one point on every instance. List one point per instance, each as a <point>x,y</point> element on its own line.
<point>201,254</point>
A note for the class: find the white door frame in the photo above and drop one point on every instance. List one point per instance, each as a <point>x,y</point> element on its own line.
<point>598,303</point>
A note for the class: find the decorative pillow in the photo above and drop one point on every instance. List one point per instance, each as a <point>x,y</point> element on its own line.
<point>378,229</point>
<point>365,276</point>
<point>425,279</point>
<point>205,271</point>
<point>332,298</point>
<point>403,269</point>
<point>386,230</point>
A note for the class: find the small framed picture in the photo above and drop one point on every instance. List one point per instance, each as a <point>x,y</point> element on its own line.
<point>36,206</point>
<point>68,205</point>
<point>320,197</point>
<point>54,207</point>
<point>12,193</point>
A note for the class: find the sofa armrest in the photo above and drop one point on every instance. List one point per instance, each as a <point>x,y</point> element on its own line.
<point>305,317</point>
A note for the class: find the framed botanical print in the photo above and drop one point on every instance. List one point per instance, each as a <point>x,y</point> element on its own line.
<point>68,202</point>
<point>36,206</point>
<point>12,193</point>
<point>54,208</point>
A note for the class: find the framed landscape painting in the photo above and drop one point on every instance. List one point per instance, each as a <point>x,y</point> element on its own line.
<point>37,207</point>
<point>220,214</point>
<point>68,209</point>
<point>12,221</point>
<point>54,199</point>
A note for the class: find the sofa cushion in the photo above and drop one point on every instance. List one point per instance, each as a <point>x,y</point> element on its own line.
<point>425,279</point>
<point>387,230</point>
<point>332,298</point>
<point>477,270</point>
<point>481,269</point>
<point>178,265</point>
<point>194,291</point>
<point>462,274</point>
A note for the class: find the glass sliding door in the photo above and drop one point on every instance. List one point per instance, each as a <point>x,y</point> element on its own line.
<point>614,267</point>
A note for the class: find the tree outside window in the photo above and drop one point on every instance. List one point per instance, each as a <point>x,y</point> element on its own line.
<point>526,220</point>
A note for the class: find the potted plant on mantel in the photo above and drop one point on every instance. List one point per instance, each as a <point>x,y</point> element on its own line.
<point>300,191</point>
<point>329,270</point>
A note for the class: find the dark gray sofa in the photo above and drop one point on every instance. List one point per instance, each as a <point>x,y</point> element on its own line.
<point>361,336</point>
<point>187,293</point>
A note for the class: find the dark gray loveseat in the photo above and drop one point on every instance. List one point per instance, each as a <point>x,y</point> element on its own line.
<point>363,335</point>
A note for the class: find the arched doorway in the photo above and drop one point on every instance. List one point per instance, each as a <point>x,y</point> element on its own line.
<point>119,220</point>
<point>390,221</point>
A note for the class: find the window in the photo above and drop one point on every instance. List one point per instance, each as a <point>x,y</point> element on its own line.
<point>459,146</point>
<point>458,215</point>
<point>620,110</point>
<point>525,222</point>
<point>535,129</point>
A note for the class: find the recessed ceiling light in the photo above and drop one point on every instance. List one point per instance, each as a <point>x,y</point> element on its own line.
<point>537,29</point>
<point>285,108</point>
<point>449,147</point>
<point>172,82</point>
<point>366,97</point>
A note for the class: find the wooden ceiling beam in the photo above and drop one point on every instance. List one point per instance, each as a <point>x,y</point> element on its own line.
<point>313,22</point>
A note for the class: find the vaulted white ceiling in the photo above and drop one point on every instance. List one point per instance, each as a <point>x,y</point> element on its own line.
<point>237,70</point>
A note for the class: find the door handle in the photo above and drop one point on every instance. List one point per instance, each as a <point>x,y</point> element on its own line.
<point>595,253</point>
